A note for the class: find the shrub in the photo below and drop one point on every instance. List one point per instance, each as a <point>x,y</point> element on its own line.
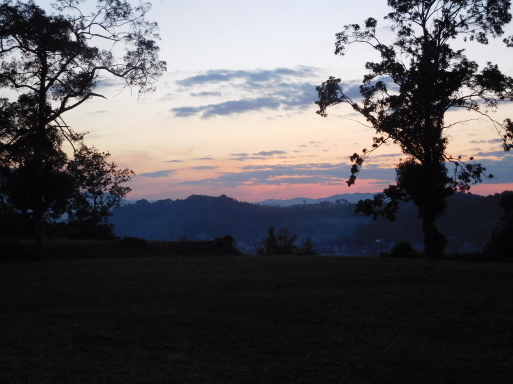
<point>226,241</point>
<point>402,249</point>
<point>283,244</point>
<point>307,248</point>
<point>502,236</point>
<point>85,230</point>
<point>500,247</point>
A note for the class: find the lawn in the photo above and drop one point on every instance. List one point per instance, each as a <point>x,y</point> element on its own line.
<point>240,319</point>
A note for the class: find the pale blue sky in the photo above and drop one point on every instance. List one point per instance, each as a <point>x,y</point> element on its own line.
<point>235,113</point>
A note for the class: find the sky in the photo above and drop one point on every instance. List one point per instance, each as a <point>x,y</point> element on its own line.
<point>234,114</point>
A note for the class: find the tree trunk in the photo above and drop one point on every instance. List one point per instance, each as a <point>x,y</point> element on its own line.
<point>38,206</point>
<point>428,227</point>
<point>38,210</point>
<point>38,233</point>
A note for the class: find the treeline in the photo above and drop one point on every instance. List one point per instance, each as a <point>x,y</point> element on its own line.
<point>84,187</point>
<point>469,219</point>
<point>206,217</point>
<point>54,64</point>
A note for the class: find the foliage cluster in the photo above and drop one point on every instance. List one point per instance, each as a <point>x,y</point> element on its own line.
<point>502,237</point>
<point>402,249</point>
<point>56,60</point>
<point>406,95</point>
<point>469,219</point>
<point>283,244</point>
<point>85,187</point>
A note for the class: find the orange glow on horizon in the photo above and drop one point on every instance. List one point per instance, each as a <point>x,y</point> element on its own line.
<point>490,189</point>
<point>165,188</point>
<point>162,188</point>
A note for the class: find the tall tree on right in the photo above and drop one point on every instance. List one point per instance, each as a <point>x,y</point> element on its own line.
<point>406,95</point>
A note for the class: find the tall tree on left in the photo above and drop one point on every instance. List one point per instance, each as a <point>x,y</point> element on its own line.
<point>59,58</point>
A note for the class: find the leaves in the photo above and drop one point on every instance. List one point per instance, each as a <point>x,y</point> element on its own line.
<point>56,54</point>
<point>406,94</point>
<point>283,244</point>
<point>98,185</point>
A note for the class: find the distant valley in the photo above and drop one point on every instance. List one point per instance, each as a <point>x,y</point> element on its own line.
<point>468,224</point>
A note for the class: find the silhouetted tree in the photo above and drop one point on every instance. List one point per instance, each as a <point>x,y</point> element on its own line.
<point>17,160</point>
<point>406,95</point>
<point>98,190</point>
<point>502,236</point>
<point>58,60</point>
<point>283,244</point>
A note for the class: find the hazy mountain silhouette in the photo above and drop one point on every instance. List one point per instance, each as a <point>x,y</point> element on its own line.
<point>350,197</point>
<point>207,217</point>
<point>469,221</point>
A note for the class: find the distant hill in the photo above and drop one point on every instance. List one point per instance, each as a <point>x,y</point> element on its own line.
<point>207,217</point>
<point>469,221</point>
<point>350,197</point>
<point>126,201</point>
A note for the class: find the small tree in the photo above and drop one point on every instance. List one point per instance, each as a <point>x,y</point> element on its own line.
<point>98,190</point>
<point>401,249</point>
<point>406,95</point>
<point>283,244</point>
<point>58,60</point>
<point>502,235</point>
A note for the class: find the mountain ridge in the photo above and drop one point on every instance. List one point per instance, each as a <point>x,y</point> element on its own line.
<point>350,197</point>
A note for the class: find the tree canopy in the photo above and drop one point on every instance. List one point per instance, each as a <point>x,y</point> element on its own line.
<point>58,60</point>
<point>406,95</point>
<point>98,190</point>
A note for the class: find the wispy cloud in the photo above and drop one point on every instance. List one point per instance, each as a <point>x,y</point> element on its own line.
<point>492,153</point>
<point>107,83</point>
<point>228,108</point>
<point>312,173</point>
<point>203,158</point>
<point>169,96</point>
<point>173,161</point>
<point>500,169</point>
<point>164,173</point>
<point>269,153</point>
<point>205,94</point>
<point>256,76</point>
<point>280,88</point>
<point>245,158</point>
<point>185,111</point>
<point>260,90</point>
<point>256,156</point>
<point>389,155</point>
<point>204,167</point>
<point>491,141</point>
<point>99,112</point>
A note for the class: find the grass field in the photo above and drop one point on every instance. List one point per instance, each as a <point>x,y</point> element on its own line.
<point>239,319</point>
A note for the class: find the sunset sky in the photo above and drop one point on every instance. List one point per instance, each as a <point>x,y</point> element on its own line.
<point>235,112</point>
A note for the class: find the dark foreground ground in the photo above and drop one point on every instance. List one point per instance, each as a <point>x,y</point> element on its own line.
<point>238,319</point>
